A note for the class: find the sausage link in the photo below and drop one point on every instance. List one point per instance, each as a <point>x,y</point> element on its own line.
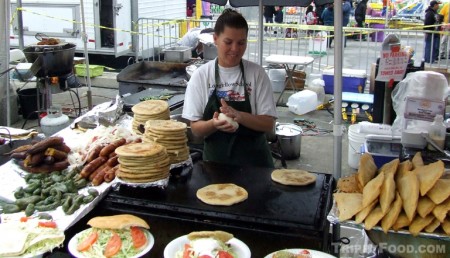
<point>92,166</point>
<point>103,166</point>
<point>93,154</point>
<point>112,162</point>
<point>111,147</point>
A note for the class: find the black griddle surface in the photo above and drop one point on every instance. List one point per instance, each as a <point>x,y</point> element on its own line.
<point>131,100</point>
<point>268,202</point>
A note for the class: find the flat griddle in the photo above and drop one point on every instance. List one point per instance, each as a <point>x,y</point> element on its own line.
<point>174,102</point>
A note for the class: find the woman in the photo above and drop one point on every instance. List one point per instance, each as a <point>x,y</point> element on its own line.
<point>311,18</point>
<point>238,88</point>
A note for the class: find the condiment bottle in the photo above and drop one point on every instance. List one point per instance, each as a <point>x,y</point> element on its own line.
<point>437,132</point>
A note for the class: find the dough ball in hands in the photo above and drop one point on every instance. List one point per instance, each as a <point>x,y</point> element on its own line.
<point>230,120</point>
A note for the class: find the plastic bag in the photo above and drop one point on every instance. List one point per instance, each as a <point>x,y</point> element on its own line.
<point>422,84</point>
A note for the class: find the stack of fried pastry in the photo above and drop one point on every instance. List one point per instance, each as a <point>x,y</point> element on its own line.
<point>399,195</point>
<point>142,162</point>
<point>172,135</point>
<point>149,110</point>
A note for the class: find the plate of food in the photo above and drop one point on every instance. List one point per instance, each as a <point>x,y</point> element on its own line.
<point>207,244</point>
<point>298,253</point>
<point>121,235</point>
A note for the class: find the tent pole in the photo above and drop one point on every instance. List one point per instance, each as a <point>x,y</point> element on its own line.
<point>338,63</point>
<point>86,56</point>
<point>260,33</point>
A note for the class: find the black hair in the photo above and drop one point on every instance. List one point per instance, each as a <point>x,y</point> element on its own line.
<point>230,18</point>
<point>309,9</point>
<point>207,30</point>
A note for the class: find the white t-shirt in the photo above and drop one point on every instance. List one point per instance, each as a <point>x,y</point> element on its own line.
<point>190,39</point>
<point>202,84</point>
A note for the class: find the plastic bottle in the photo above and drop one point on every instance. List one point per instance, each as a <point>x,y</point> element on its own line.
<point>317,85</point>
<point>437,132</point>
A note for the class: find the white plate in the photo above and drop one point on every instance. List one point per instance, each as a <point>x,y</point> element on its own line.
<point>314,254</point>
<point>73,243</point>
<point>238,247</point>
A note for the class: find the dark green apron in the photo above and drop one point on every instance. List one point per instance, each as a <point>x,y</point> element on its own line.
<point>243,147</point>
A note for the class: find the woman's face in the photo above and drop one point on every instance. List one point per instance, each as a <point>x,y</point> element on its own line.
<point>231,45</point>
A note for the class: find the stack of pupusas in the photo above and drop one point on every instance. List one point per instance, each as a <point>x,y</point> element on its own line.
<point>172,135</point>
<point>142,162</point>
<point>149,110</point>
<point>121,235</point>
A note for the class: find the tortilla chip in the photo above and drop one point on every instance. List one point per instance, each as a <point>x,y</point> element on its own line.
<point>372,189</point>
<point>425,206</point>
<point>367,169</point>
<point>361,216</point>
<point>391,216</point>
<point>417,160</point>
<point>387,194</point>
<point>401,222</point>
<point>348,204</point>
<point>440,211</point>
<point>419,223</point>
<point>408,188</point>
<point>348,184</point>
<point>440,191</point>
<point>402,169</point>
<point>428,175</point>
<point>432,226</point>
<point>390,167</point>
<point>446,227</point>
<point>373,218</point>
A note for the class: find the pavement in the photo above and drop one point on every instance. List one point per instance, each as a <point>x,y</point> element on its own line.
<point>317,142</point>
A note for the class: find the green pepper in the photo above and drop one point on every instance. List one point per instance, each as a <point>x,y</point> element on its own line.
<point>37,191</point>
<point>29,210</point>
<point>60,187</point>
<point>88,198</point>
<point>32,187</point>
<point>23,202</point>
<point>81,183</point>
<point>48,207</point>
<point>57,178</point>
<point>10,208</point>
<point>79,199</point>
<point>75,206</point>
<point>71,187</point>
<point>67,204</point>
<point>57,194</point>
<point>93,192</point>
<point>19,193</point>
<point>45,216</point>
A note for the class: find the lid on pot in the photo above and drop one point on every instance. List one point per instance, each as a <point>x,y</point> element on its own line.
<point>288,130</point>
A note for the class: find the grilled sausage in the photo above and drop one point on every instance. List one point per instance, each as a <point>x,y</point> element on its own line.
<point>93,154</point>
<point>44,144</point>
<point>92,166</point>
<point>18,155</point>
<point>111,147</point>
<point>93,174</point>
<point>33,160</point>
<point>19,149</point>
<point>112,162</point>
<point>63,147</point>
<point>44,168</point>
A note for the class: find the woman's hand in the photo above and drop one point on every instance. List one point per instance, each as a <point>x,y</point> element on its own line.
<point>229,111</point>
<point>222,125</point>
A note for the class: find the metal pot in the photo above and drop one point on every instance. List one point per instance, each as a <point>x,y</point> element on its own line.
<point>289,137</point>
<point>192,138</point>
<point>53,60</point>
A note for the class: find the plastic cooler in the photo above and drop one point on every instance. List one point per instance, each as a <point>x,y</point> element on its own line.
<point>353,80</point>
<point>382,151</point>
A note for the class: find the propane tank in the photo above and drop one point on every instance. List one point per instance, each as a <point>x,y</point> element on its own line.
<point>54,121</point>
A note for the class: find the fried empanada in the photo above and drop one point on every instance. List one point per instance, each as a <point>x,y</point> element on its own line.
<point>391,216</point>
<point>408,188</point>
<point>359,218</point>
<point>372,189</point>
<point>425,206</point>
<point>373,218</point>
<point>440,191</point>
<point>417,160</point>
<point>387,194</point>
<point>419,223</point>
<point>348,204</point>
<point>367,169</point>
<point>428,175</point>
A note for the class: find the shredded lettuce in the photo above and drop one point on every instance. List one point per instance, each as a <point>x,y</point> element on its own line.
<point>55,238</point>
<point>104,235</point>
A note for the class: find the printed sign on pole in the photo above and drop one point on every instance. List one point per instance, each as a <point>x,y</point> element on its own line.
<point>393,63</point>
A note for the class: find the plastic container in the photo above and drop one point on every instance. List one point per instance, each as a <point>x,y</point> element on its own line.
<point>382,151</point>
<point>356,140</point>
<point>318,86</point>
<point>352,80</point>
<point>277,74</point>
<point>375,128</point>
<point>94,70</point>
<point>179,54</point>
<point>437,132</point>
<point>302,102</point>
<point>277,85</point>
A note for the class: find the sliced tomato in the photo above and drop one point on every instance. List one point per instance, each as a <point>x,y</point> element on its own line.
<point>187,251</point>
<point>113,246</point>
<point>205,256</point>
<point>47,224</point>
<point>224,254</point>
<point>23,219</point>
<point>88,242</point>
<point>138,236</point>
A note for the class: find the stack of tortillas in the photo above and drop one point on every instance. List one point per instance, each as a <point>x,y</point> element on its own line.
<point>149,110</point>
<point>142,162</point>
<point>170,134</point>
<point>293,177</point>
<point>222,194</point>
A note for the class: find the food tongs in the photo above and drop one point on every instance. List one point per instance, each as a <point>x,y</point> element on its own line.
<point>430,141</point>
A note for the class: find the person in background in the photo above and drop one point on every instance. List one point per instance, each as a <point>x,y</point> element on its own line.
<point>360,16</point>
<point>431,39</point>
<point>444,51</point>
<point>238,88</point>
<point>310,18</point>
<point>279,18</point>
<point>190,39</point>
<point>346,11</point>
<point>328,20</point>
<point>319,11</point>
<point>269,12</point>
